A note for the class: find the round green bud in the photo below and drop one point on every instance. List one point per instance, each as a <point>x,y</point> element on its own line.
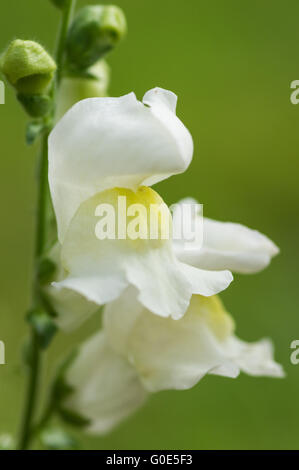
<point>76,88</point>
<point>94,32</point>
<point>28,67</point>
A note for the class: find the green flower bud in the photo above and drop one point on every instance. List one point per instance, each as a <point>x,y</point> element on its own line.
<point>94,32</point>
<point>76,88</point>
<point>28,67</point>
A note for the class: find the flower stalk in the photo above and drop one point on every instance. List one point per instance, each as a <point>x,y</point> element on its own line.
<point>35,350</point>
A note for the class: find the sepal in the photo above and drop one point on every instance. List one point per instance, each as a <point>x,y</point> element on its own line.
<point>33,130</point>
<point>62,390</point>
<point>73,418</point>
<point>35,105</point>
<point>46,270</point>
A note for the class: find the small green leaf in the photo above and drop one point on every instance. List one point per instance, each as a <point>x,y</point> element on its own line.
<point>57,439</point>
<point>43,325</point>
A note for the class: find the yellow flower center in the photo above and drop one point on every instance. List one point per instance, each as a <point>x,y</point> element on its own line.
<point>212,309</point>
<point>139,215</point>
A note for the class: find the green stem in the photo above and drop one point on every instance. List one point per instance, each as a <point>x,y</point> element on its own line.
<point>34,351</point>
<point>41,218</point>
<point>40,241</point>
<point>45,418</point>
<point>31,392</point>
<point>65,23</point>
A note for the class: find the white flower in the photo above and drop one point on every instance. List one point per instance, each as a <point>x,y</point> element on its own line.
<point>176,354</point>
<point>106,389</point>
<point>104,148</point>
<point>163,326</point>
<point>226,245</point>
<point>138,353</point>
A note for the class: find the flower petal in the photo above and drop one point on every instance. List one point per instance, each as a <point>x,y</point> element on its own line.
<point>106,389</point>
<point>102,143</point>
<point>70,306</point>
<point>254,358</point>
<point>119,318</point>
<point>163,288</point>
<point>167,353</point>
<point>176,354</point>
<point>72,309</point>
<point>227,245</point>
<point>204,282</point>
<point>159,97</point>
<point>98,289</point>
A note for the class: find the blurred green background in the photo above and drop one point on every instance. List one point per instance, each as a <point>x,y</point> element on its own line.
<point>231,64</point>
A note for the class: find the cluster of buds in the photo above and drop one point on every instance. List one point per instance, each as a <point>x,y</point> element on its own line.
<point>28,67</point>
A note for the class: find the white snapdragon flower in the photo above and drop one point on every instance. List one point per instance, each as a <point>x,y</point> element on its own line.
<point>225,245</point>
<point>103,149</point>
<point>138,353</point>
<point>176,354</point>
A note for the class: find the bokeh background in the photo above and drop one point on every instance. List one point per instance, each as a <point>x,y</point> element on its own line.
<point>231,64</point>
